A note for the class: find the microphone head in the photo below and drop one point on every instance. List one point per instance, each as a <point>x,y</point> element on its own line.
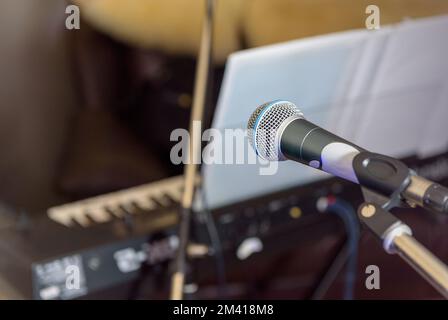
<point>266,124</point>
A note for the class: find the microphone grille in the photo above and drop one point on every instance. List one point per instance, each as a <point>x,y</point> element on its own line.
<point>264,124</point>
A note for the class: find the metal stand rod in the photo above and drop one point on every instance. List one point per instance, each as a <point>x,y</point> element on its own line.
<point>396,237</point>
<point>423,261</point>
<point>194,150</point>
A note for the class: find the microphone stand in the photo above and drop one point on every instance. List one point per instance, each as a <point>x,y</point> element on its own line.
<point>194,151</point>
<point>390,176</point>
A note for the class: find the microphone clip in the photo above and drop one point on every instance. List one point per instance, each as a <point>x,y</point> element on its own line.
<point>383,179</point>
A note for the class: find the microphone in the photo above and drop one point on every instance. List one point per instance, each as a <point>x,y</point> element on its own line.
<point>278,131</point>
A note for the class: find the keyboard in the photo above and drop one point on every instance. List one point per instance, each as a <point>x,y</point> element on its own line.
<point>163,194</point>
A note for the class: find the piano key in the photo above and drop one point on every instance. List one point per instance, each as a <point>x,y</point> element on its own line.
<point>116,212</point>
<point>100,215</point>
<point>145,204</point>
<point>81,218</point>
<point>157,201</point>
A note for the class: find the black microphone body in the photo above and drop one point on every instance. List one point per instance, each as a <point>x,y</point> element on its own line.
<point>305,142</point>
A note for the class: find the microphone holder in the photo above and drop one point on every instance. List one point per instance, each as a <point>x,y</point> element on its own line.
<point>389,177</point>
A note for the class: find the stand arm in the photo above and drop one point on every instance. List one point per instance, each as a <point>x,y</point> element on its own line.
<point>423,261</point>
<point>397,238</point>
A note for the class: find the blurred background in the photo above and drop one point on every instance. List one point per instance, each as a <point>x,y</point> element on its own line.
<point>90,111</point>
